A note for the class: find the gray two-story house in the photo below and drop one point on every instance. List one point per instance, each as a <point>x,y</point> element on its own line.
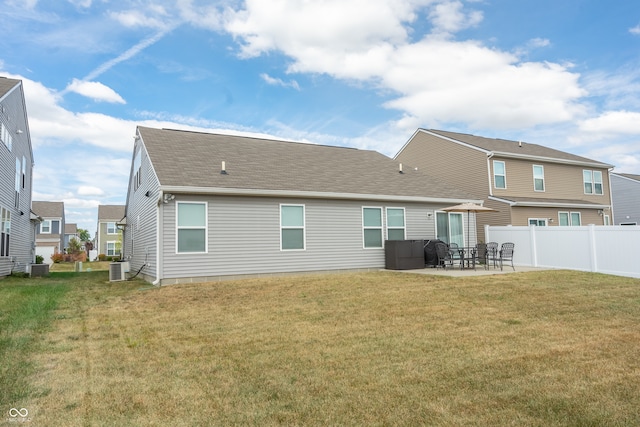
<point>625,192</point>
<point>17,250</point>
<point>206,206</point>
<point>527,184</point>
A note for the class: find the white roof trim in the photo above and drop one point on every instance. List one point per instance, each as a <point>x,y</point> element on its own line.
<point>551,160</point>
<point>310,194</point>
<point>542,204</point>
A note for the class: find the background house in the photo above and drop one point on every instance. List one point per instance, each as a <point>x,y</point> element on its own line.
<point>528,184</point>
<point>202,206</point>
<point>108,235</point>
<point>49,232</point>
<point>625,192</point>
<point>70,232</point>
<point>17,250</point>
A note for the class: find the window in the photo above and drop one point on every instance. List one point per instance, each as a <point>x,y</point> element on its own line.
<point>18,171</point>
<point>607,220</point>
<point>112,248</point>
<point>5,136</point>
<point>24,171</point>
<point>191,227</point>
<point>575,219</point>
<point>592,182</point>
<point>372,227</point>
<point>111,228</point>
<point>499,174</point>
<point>540,222</point>
<point>137,163</point>
<point>292,227</point>
<point>449,227</point>
<point>395,224</point>
<point>5,231</point>
<point>538,178</point>
<point>45,227</point>
<point>569,218</point>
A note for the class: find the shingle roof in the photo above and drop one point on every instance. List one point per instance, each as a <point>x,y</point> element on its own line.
<point>70,228</point>
<point>191,159</point>
<point>514,147</point>
<point>6,84</point>
<point>110,212</point>
<point>630,176</point>
<point>48,209</point>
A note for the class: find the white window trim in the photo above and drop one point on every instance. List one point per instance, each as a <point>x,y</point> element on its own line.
<point>593,182</point>
<point>42,224</point>
<point>381,228</point>
<point>544,186</point>
<point>115,253</point>
<point>404,217</point>
<point>206,227</point>
<point>304,227</point>
<point>115,227</point>
<point>449,215</point>
<point>571,219</point>
<point>545,220</point>
<point>495,174</point>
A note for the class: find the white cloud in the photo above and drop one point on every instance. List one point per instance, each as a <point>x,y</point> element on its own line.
<point>96,91</point>
<point>635,30</point>
<point>613,122</point>
<point>279,82</point>
<point>449,17</point>
<point>85,190</point>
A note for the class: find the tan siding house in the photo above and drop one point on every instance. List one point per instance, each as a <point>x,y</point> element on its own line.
<point>528,184</point>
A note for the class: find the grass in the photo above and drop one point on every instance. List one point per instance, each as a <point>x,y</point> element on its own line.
<point>526,349</point>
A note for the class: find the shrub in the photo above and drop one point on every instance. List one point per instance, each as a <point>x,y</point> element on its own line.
<point>56,258</point>
<point>102,257</point>
<point>39,259</point>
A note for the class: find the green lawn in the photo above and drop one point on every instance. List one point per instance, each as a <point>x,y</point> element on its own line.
<point>527,349</point>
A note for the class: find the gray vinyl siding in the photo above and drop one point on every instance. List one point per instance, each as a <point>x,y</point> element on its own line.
<point>625,194</point>
<point>21,252</point>
<point>244,237</point>
<point>140,243</point>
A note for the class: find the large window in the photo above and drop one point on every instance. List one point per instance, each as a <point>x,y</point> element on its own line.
<point>111,228</point>
<point>569,218</point>
<point>592,182</point>
<point>372,227</point>
<point>5,231</point>
<point>5,136</point>
<point>191,227</point>
<point>45,227</point>
<point>499,174</point>
<point>449,227</point>
<point>538,178</point>
<point>112,248</point>
<point>292,227</point>
<point>395,224</point>
<point>137,163</point>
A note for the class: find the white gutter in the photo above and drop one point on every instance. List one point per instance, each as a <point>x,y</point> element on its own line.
<point>549,204</point>
<point>307,194</point>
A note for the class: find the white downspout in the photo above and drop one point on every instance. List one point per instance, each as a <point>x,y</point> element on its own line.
<point>489,173</point>
<point>158,240</point>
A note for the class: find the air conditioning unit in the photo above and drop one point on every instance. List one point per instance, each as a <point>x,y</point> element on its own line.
<point>117,271</point>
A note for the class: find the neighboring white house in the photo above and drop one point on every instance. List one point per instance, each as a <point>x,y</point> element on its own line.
<point>17,250</point>
<point>50,231</point>
<point>625,192</point>
<point>204,206</point>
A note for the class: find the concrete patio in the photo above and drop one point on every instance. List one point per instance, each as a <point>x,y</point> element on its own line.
<point>479,271</point>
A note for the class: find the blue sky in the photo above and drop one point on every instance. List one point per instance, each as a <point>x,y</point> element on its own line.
<point>357,73</point>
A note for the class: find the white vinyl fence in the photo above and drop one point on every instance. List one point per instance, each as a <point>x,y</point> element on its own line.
<point>596,248</point>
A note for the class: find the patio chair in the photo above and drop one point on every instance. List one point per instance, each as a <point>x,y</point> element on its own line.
<point>454,250</point>
<point>492,254</point>
<point>481,254</point>
<point>506,254</point>
<point>444,255</point>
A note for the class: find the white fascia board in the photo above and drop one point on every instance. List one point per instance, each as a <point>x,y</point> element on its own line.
<point>464,144</point>
<point>551,160</point>
<point>549,204</point>
<point>309,195</point>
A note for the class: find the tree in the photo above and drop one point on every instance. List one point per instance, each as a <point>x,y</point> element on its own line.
<point>84,235</point>
<point>74,246</point>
